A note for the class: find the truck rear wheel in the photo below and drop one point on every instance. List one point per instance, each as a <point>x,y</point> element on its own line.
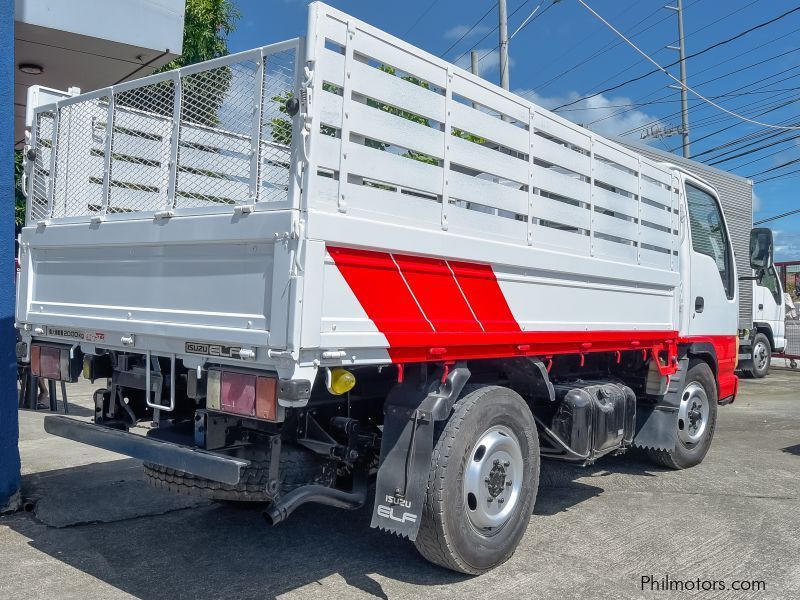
<point>297,467</point>
<point>482,484</point>
<point>697,418</point>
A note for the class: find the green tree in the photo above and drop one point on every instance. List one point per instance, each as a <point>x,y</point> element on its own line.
<point>206,25</point>
<point>19,197</point>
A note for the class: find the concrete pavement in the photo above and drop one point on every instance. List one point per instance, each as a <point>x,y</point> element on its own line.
<point>97,531</point>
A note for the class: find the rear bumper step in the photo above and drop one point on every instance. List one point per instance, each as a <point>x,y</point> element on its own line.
<point>174,456</point>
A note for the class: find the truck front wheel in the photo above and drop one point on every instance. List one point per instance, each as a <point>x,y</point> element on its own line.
<point>762,355</point>
<point>697,418</point>
<point>482,484</point>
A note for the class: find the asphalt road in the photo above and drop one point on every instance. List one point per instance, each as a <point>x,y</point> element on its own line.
<point>97,531</point>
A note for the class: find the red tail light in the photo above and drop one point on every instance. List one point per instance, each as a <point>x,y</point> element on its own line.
<point>51,362</point>
<point>246,394</point>
<point>238,393</point>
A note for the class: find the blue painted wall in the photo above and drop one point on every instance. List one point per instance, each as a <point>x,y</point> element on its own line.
<point>9,425</point>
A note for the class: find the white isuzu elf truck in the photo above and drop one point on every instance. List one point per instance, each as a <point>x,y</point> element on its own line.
<point>339,261</point>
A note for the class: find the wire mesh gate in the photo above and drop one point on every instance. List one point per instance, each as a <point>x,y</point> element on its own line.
<point>213,134</point>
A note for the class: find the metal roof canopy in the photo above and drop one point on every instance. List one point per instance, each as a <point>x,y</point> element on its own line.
<point>91,43</point>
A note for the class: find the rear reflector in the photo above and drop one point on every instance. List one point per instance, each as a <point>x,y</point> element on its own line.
<point>246,394</point>
<point>213,390</point>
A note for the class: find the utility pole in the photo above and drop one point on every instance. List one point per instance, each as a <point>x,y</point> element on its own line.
<point>474,67</point>
<point>681,48</point>
<point>502,10</point>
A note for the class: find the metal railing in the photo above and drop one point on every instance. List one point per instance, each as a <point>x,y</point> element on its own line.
<point>210,135</point>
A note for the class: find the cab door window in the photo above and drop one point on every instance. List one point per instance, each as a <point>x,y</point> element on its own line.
<point>770,281</point>
<point>708,233</point>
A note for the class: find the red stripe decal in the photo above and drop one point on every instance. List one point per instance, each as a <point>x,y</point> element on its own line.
<point>479,284</point>
<point>437,293</point>
<point>419,305</point>
<point>377,283</point>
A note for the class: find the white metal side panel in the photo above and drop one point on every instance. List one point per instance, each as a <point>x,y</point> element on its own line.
<point>204,278</point>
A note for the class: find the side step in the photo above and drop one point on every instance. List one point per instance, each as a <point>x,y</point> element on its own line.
<point>216,467</point>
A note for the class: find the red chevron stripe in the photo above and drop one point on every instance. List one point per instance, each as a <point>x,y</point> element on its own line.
<point>432,309</point>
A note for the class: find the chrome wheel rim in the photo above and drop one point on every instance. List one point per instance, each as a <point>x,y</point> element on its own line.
<point>760,356</point>
<point>693,414</point>
<point>492,482</point>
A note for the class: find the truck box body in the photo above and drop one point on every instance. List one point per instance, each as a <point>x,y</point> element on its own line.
<point>174,220</point>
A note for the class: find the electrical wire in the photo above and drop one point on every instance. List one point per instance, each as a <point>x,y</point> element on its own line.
<point>420,17</point>
<point>538,16</point>
<point>490,32</point>
<point>782,215</point>
<point>714,66</point>
<point>683,85</point>
<point>466,33</point>
<point>736,71</point>
<point>605,48</point>
<point>672,64</point>
<point>788,163</point>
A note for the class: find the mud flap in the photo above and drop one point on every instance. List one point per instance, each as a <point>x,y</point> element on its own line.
<point>656,424</point>
<point>410,414</point>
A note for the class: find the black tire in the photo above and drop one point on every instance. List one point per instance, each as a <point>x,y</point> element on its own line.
<point>298,467</point>
<point>761,362</point>
<point>446,536</point>
<point>685,454</point>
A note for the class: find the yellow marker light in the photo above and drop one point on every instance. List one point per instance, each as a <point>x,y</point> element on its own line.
<point>339,381</point>
<point>87,362</point>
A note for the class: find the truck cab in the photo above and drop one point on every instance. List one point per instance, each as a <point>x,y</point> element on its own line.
<point>768,335</point>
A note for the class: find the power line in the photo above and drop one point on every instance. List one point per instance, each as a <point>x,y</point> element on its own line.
<point>490,32</point>
<point>537,16</point>
<point>659,67</point>
<point>599,51</point>
<point>728,74</point>
<point>696,93</point>
<point>782,215</point>
<point>754,150</point>
<point>420,17</point>
<point>644,97</point>
<point>466,33</point>
<point>788,163</point>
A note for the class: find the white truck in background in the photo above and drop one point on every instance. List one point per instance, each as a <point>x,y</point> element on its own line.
<point>339,260</point>
<point>769,323</point>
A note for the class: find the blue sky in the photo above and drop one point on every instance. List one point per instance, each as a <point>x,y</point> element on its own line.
<point>565,53</point>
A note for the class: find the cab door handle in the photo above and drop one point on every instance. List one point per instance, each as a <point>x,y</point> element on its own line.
<point>699,304</point>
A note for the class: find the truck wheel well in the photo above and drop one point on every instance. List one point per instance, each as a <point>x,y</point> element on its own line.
<point>705,352</point>
<point>767,331</point>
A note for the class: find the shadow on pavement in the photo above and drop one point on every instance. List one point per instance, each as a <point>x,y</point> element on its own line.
<point>792,450</point>
<point>105,521</point>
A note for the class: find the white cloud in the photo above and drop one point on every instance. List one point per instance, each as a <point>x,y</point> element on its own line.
<point>489,61</point>
<point>787,244</point>
<point>607,115</point>
<point>456,32</point>
<point>756,202</point>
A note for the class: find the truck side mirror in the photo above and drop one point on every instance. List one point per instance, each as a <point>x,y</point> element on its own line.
<point>760,248</point>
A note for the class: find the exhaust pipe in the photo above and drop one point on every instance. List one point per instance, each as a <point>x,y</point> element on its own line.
<point>286,505</point>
